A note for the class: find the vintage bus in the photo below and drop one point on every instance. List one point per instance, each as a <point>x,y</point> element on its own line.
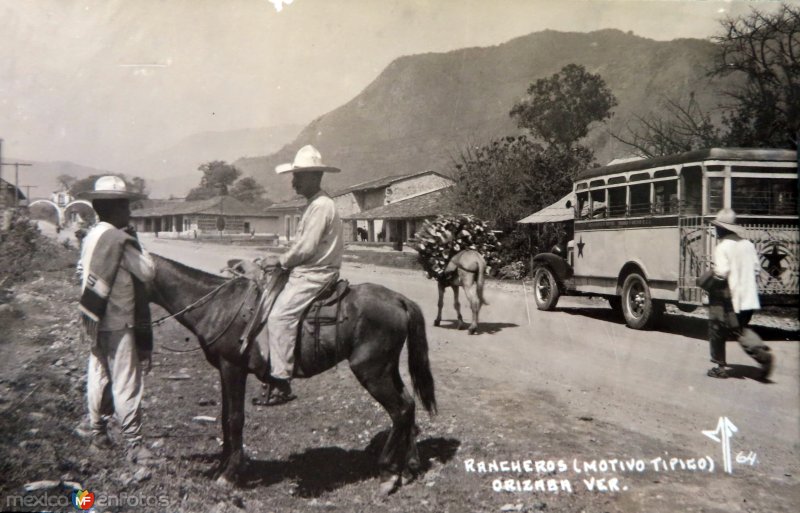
<point>642,234</point>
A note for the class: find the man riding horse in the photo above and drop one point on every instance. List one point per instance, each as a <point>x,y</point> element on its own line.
<point>313,262</point>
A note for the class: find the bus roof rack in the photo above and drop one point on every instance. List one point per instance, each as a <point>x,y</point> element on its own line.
<point>763,154</point>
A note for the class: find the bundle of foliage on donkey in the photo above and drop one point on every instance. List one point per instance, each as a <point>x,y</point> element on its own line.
<point>455,251</point>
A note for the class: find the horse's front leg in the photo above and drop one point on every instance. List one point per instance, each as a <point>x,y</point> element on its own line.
<point>234,379</point>
<point>440,304</point>
<point>457,306</point>
<point>226,432</point>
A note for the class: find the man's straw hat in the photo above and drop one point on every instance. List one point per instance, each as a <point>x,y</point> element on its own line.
<point>726,219</point>
<point>307,159</point>
<point>110,187</point>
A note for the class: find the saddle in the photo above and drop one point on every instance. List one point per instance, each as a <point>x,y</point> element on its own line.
<point>319,321</point>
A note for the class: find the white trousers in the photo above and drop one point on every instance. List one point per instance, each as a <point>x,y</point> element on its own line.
<point>284,319</point>
<point>114,383</point>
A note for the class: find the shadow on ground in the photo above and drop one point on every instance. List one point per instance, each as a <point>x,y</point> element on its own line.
<point>677,324</point>
<point>322,469</point>
<point>489,328</point>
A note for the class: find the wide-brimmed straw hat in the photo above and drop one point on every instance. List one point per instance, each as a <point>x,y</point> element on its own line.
<point>726,219</point>
<point>307,159</point>
<point>110,187</point>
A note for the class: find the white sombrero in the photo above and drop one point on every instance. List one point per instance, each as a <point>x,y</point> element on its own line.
<point>110,187</point>
<point>726,219</point>
<point>307,159</point>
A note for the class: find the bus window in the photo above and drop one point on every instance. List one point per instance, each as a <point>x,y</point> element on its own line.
<point>640,199</point>
<point>616,201</point>
<point>763,196</point>
<point>598,203</point>
<point>666,197</point>
<point>715,194</point>
<point>691,190</point>
<point>582,206</point>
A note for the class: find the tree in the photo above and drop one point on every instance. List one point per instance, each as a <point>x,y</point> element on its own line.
<point>66,181</point>
<point>246,189</point>
<point>764,50</point>
<point>509,179</point>
<point>685,127</point>
<point>760,55</point>
<point>218,175</point>
<point>560,109</point>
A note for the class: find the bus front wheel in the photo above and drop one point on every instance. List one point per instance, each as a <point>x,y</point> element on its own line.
<point>638,306</point>
<point>545,289</point>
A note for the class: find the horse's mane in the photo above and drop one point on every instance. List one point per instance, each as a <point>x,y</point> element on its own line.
<point>191,272</point>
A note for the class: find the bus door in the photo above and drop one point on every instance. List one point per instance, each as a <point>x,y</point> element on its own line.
<point>696,247</point>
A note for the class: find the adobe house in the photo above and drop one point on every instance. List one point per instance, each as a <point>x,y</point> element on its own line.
<point>353,203</point>
<point>402,219</point>
<point>223,214</point>
<point>287,215</point>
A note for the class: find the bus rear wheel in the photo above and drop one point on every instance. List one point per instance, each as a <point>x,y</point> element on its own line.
<point>545,289</point>
<point>638,306</point>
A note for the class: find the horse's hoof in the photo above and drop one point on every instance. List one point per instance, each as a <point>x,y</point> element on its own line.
<point>408,477</point>
<point>436,322</point>
<point>391,485</point>
<point>473,331</point>
<point>225,482</point>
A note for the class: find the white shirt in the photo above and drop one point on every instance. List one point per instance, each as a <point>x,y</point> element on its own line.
<point>736,259</point>
<point>320,242</point>
<point>120,310</point>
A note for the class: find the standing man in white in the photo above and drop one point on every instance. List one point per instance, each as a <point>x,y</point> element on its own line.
<point>114,268</point>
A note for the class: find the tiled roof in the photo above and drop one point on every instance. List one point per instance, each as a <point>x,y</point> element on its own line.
<point>9,186</point>
<point>555,213</point>
<point>380,182</point>
<point>431,204</point>
<point>226,205</point>
<point>288,205</point>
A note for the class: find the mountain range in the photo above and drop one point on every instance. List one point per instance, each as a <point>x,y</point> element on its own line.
<point>424,110</point>
<point>171,171</point>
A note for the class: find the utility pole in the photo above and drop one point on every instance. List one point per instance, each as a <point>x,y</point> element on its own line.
<point>28,191</point>
<point>16,178</point>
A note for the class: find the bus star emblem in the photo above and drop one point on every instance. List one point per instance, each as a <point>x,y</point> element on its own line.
<point>773,263</point>
<point>580,245</point>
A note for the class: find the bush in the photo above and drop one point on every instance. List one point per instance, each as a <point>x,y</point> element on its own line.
<point>24,251</point>
<point>513,271</point>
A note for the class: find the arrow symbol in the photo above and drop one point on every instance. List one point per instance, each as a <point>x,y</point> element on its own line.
<point>722,434</point>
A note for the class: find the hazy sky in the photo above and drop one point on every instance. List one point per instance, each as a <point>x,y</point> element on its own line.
<point>99,81</point>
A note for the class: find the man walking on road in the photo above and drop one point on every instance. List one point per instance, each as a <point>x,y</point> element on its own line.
<point>313,262</point>
<point>116,316</point>
<point>734,296</point>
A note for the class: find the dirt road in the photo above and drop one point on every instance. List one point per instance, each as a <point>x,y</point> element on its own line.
<point>596,372</point>
<point>563,411</point>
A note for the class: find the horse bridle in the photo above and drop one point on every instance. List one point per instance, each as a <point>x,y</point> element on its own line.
<point>252,285</point>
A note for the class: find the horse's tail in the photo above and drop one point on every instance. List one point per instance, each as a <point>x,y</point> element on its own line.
<point>418,363</point>
<point>480,278</point>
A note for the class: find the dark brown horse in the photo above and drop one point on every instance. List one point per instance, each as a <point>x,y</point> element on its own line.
<point>466,269</point>
<point>377,322</point>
